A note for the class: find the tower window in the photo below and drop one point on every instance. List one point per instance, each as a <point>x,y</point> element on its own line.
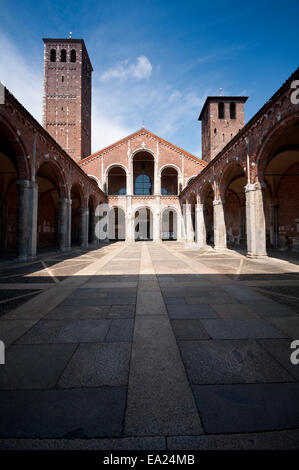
<point>62,78</point>
<point>220,110</point>
<point>63,55</point>
<point>232,110</point>
<point>215,131</point>
<point>73,55</point>
<point>53,55</point>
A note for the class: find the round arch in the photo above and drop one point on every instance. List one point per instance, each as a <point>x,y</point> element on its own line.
<point>116,180</point>
<point>143,223</point>
<point>59,174</point>
<point>169,223</point>
<point>143,173</point>
<point>266,147</point>
<point>94,178</point>
<point>116,223</point>
<point>143,149</point>
<point>171,165</point>
<point>10,139</point>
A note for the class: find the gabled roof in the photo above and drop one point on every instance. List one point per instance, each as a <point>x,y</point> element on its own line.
<point>142,131</point>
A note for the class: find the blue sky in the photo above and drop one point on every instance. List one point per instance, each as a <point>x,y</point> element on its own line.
<point>155,61</point>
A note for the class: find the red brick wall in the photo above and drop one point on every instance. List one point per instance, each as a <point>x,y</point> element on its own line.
<point>67,98</point>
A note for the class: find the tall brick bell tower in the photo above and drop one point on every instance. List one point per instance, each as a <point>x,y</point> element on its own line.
<point>222,117</point>
<point>67,95</point>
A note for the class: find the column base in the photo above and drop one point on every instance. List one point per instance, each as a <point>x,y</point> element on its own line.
<point>220,248</point>
<point>25,259</point>
<point>253,255</point>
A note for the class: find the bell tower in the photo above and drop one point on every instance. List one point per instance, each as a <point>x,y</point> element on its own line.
<point>67,95</point>
<point>222,117</point>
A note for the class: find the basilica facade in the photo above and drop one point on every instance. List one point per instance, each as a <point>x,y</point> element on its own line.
<point>243,193</point>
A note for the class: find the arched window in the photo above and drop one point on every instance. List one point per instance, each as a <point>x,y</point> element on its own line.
<point>63,55</point>
<point>143,185</point>
<point>73,55</point>
<point>220,110</point>
<point>232,110</point>
<point>53,55</point>
<point>215,131</point>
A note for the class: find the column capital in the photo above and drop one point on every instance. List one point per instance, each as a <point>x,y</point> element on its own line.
<point>217,202</point>
<point>255,186</point>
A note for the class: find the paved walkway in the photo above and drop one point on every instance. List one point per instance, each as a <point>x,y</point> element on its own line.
<point>151,346</point>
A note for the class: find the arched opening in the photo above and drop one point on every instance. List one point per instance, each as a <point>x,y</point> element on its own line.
<point>234,206</point>
<point>53,55</point>
<point>73,55</point>
<point>117,224</point>
<point>143,224</point>
<point>8,200</point>
<point>91,220</point>
<point>169,224</point>
<point>117,181</point>
<point>76,220</point>
<point>221,113</point>
<point>143,173</point>
<point>190,180</point>
<point>192,203</point>
<point>169,181</point>
<point>232,110</point>
<point>63,55</point>
<point>48,197</point>
<point>281,201</point>
<point>208,213</point>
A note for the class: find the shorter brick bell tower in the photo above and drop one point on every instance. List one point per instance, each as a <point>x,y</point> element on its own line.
<point>221,119</point>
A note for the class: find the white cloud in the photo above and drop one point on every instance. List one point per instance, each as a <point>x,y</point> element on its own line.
<point>123,69</point>
<point>22,76</point>
<point>117,110</point>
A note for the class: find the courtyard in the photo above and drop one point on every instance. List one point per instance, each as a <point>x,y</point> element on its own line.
<point>149,345</point>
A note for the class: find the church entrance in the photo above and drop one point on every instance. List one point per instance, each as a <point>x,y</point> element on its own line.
<point>143,224</point>
<point>117,224</point>
<point>169,225</point>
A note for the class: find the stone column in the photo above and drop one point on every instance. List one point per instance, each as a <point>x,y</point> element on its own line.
<point>68,242</point>
<point>63,215</point>
<point>255,221</point>
<point>26,230</point>
<point>200,230</point>
<point>219,225</point>
<point>84,227</point>
<point>188,225</point>
<point>92,224</point>
<point>156,226</point>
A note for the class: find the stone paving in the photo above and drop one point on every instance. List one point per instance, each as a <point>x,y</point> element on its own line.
<point>149,346</point>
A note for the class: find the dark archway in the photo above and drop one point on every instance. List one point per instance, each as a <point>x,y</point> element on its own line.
<point>169,224</point>
<point>234,182</point>
<point>207,199</point>
<point>143,224</point>
<point>117,181</point>
<point>76,216</point>
<point>169,181</point>
<point>117,224</point>
<point>143,173</point>
<point>48,197</point>
<point>91,220</point>
<point>8,202</point>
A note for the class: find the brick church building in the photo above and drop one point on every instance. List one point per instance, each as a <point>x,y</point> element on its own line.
<point>55,193</point>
